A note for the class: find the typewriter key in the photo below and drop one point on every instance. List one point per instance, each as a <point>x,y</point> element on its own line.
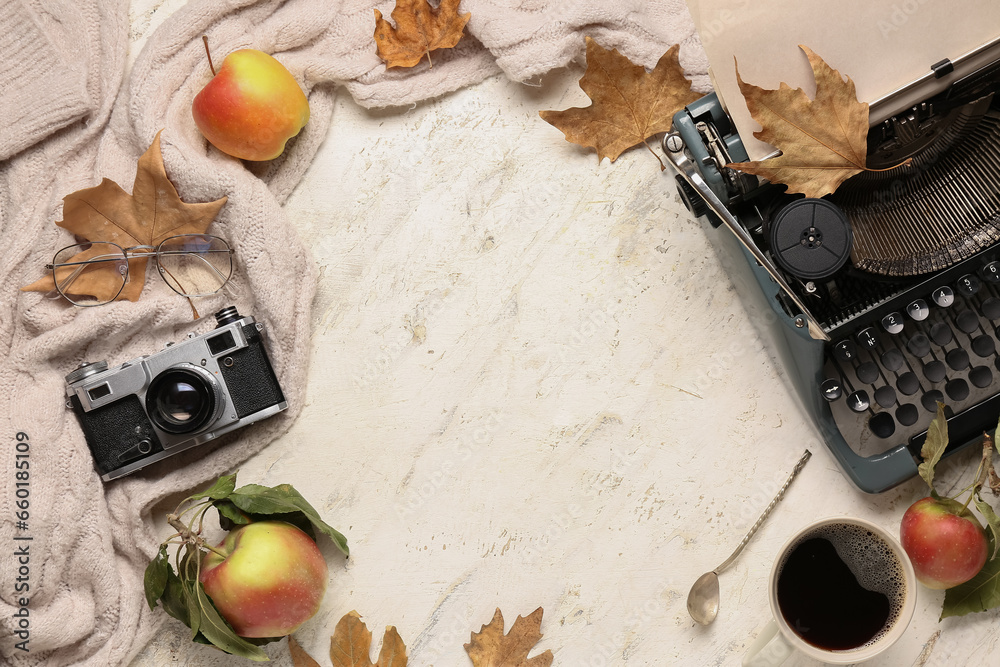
<point>983,345</point>
<point>943,296</point>
<point>934,371</point>
<point>867,372</point>
<point>885,396</point>
<point>859,401</point>
<point>907,414</point>
<point>991,308</point>
<point>832,389</point>
<point>867,338</point>
<point>981,376</point>
<point>844,350</point>
<point>919,346</point>
<point>931,399</point>
<point>882,425</point>
<point>957,389</point>
<point>941,334</point>
<point>991,272</point>
<point>892,323</point>
<point>968,285</point>
<point>907,383</point>
<point>892,359</point>
<point>958,359</point>
<point>967,321</point>
<point>918,310</point>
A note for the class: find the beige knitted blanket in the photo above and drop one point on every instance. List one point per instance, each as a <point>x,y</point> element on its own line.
<point>67,119</point>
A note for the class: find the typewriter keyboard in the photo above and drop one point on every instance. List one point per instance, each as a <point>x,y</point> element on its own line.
<point>884,380</point>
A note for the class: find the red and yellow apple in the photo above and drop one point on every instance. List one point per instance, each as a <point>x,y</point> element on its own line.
<point>944,540</point>
<point>251,107</point>
<point>271,580</point>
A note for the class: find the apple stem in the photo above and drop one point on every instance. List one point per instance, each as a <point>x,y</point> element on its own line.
<point>208,53</point>
<point>968,500</point>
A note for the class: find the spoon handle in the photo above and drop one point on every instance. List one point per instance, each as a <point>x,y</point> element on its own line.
<point>767,511</point>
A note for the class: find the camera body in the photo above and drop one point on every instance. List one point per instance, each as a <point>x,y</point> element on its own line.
<point>187,394</point>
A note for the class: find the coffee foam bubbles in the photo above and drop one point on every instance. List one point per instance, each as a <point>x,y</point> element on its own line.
<point>871,560</point>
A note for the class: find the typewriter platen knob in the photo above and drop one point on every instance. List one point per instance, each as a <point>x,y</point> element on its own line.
<point>692,200</point>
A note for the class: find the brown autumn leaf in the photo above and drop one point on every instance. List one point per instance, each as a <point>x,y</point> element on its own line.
<point>351,643</point>
<point>299,656</point>
<point>823,141</point>
<point>629,104</point>
<point>153,212</point>
<point>491,648</point>
<point>419,30</point>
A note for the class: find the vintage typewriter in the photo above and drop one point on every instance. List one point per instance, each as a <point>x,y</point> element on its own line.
<point>884,298</point>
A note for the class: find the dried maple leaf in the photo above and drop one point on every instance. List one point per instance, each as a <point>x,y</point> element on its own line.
<point>491,648</point>
<point>351,643</point>
<point>299,656</point>
<point>154,211</point>
<point>419,30</point>
<point>629,104</point>
<point>823,141</point>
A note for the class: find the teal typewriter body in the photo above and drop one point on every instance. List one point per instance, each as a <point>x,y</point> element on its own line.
<point>871,341</point>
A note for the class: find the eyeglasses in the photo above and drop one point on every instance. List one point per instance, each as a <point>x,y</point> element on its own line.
<point>94,274</point>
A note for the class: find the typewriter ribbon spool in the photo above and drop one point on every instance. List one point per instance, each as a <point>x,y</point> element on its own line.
<point>810,238</point>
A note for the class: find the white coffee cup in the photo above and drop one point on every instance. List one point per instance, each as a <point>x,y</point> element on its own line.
<point>778,639</point>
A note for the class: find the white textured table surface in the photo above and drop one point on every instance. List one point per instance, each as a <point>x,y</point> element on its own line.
<point>533,385</point>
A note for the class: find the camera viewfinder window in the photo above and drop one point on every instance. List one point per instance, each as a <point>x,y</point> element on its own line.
<point>100,391</point>
<point>219,344</point>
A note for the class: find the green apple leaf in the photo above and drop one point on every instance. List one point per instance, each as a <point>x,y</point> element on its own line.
<point>154,580</point>
<point>934,446</point>
<point>980,593</point>
<point>285,500</point>
<point>193,610</point>
<point>230,515</point>
<point>992,523</point>
<point>220,633</point>
<point>219,490</point>
<point>174,598</point>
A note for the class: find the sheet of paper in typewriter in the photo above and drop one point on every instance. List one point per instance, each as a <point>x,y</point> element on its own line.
<point>881,44</point>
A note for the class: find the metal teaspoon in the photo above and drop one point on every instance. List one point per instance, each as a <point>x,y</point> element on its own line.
<point>703,600</point>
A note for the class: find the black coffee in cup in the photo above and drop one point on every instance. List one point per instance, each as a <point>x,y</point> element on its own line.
<point>841,587</point>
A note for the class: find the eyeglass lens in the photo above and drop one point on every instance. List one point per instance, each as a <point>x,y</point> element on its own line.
<point>90,274</point>
<point>195,264</point>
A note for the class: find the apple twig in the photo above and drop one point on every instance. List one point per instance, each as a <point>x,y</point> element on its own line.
<point>189,536</point>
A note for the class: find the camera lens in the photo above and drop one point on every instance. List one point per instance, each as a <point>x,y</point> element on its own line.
<point>179,401</point>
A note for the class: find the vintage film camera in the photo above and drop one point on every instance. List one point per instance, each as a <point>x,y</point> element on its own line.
<point>884,298</point>
<point>185,395</point>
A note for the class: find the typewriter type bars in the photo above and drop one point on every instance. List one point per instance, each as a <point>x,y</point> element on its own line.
<point>939,210</point>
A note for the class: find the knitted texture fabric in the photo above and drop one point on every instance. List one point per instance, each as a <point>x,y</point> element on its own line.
<point>70,119</point>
